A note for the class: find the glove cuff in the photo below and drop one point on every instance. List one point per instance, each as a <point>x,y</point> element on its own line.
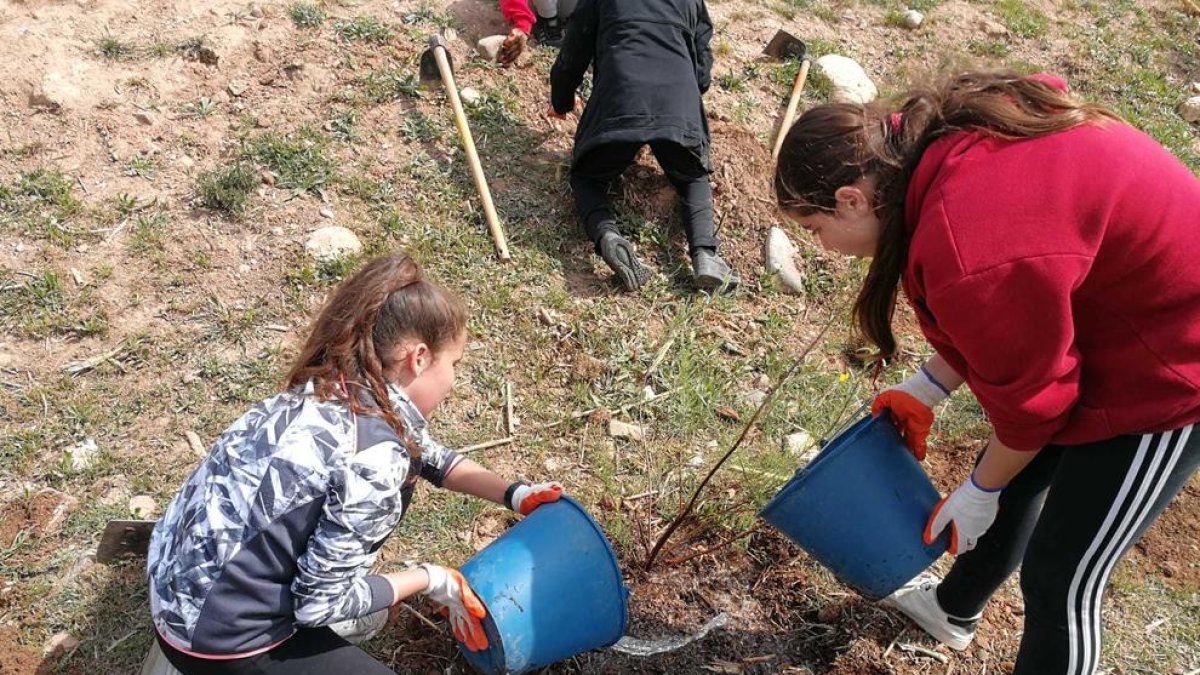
<point>510,492</point>
<point>924,387</point>
<point>987,491</point>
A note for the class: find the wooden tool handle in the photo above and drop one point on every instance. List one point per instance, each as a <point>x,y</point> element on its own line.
<point>464,131</point>
<point>797,87</point>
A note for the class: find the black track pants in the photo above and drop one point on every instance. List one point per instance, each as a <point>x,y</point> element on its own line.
<point>1098,499</point>
<point>311,651</point>
<point>595,172</point>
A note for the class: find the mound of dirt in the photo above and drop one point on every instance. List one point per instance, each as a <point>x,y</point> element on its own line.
<point>42,514</point>
<point>15,658</point>
<point>744,206</point>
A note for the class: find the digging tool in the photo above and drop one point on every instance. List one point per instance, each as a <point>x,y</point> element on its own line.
<point>786,46</point>
<point>124,538</point>
<point>436,65</point>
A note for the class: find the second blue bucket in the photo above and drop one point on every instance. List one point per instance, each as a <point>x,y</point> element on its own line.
<point>860,508</point>
<point>552,587</point>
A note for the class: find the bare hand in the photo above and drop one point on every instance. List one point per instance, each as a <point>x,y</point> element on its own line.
<point>513,45</point>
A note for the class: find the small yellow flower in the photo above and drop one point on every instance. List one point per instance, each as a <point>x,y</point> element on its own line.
<point>843,377</point>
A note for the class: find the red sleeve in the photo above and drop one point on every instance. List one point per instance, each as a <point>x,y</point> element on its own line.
<point>518,13</point>
<point>1020,355</point>
<point>1052,80</point>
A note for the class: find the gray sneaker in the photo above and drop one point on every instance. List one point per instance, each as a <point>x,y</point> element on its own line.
<point>619,255</point>
<point>918,600</point>
<point>711,272</point>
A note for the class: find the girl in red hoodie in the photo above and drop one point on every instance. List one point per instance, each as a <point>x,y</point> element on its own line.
<point>1048,250</point>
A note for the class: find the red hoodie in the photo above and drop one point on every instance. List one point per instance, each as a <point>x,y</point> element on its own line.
<point>1060,276</point>
<point>518,13</point>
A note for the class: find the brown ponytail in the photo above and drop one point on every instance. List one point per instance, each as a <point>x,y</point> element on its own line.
<point>386,302</point>
<point>834,145</point>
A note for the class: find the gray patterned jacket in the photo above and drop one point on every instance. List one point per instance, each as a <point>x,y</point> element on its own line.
<point>280,524</point>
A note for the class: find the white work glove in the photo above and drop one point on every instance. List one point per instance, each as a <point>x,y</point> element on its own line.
<point>524,498</point>
<point>968,511</point>
<point>459,603</point>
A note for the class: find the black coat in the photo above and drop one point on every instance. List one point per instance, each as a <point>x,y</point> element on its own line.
<point>651,61</point>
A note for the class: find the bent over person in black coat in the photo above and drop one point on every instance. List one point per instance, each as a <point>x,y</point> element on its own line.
<point>651,63</point>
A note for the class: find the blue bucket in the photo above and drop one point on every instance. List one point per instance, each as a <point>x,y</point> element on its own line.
<point>860,508</point>
<point>552,588</point>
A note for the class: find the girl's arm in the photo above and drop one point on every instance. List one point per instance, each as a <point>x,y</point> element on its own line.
<point>407,583</point>
<point>944,374</point>
<point>470,478</point>
<point>1000,464</point>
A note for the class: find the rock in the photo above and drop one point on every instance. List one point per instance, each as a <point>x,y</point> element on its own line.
<point>143,506</point>
<point>618,429</point>
<point>475,346</point>
<point>194,442</point>
<point>799,443</point>
<point>648,393</point>
<point>60,645</point>
<point>755,398</point>
<point>54,507</point>
<point>236,88</point>
<point>849,80</point>
<point>469,95</point>
<point>327,212</point>
<point>1196,87</point>
<point>82,454</point>
<point>489,46</point>
<point>911,19</point>
<point>761,381</point>
<point>144,117</point>
<point>781,259</point>
<point>993,28</point>
<point>1190,110</point>
<point>277,231</point>
<point>268,178</point>
<point>256,11</point>
<point>331,243</point>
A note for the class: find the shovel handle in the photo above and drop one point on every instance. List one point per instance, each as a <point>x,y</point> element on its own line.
<point>797,87</point>
<point>464,132</point>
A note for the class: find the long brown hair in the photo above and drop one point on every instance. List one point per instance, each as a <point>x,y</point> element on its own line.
<point>386,302</point>
<point>834,145</point>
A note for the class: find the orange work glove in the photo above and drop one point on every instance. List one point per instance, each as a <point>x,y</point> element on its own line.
<point>524,498</point>
<point>911,403</point>
<point>459,603</point>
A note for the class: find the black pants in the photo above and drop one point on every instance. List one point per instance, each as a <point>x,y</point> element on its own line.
<point>1067,519</point>
<point>594,173</point>
<point>311,651</point>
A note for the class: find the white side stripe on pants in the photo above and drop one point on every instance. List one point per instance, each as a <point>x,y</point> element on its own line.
<point>1083,626</point>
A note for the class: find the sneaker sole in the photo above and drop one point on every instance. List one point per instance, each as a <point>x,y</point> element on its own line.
<point>631,273</point>
<point>707,282</point>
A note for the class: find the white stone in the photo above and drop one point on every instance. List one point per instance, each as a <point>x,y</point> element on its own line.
<point>194,442</point>
<point>761,381</point>
<point>993,28</point>
<point>912,19</point>
<point>331,243</point>
<point>489,46</point>
<point>327,212</point>
<point>802,445</point>
<point>781,259</point>
<point>850,82</point>
<point>647,393</point>
<point>144,117</point>
<point>469,95</point>
<point>618,429</point>
<point>83,454</point>
<point>143,506</point>
<point>1190,110</point>
<point>60,644</point>
<point>755,398</point>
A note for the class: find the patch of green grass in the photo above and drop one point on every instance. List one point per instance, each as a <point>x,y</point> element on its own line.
<point>115,49</point>
<point>193,49</point>
<point>743,110</point>
<point>363,29</point>
<point>202,107</point>
<point>419,127</point>
<point>345,126</point>
<point>299,159</point>
<point>145,167</point>
<point>148,235</point>
<point>306,15</point>
<point>1022,19</point>
<point>228,189</point>
<point>43,202</point>
<point>428,15</point>
<point>990,48</point>
<point>385,85</point>
<point>496,113</point>
<point>39,307</point>
<point>733,82</point>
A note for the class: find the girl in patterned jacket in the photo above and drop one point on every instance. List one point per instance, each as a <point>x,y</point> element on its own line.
<point>271,540</point>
